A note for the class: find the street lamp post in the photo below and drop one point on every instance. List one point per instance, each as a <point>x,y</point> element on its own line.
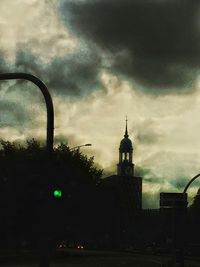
<point>44,250</point>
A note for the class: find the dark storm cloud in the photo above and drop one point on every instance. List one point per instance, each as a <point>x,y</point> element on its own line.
<point>73,75</point>
<point>155,42</point>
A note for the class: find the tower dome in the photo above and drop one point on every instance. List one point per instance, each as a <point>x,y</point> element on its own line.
<point>126,143</point>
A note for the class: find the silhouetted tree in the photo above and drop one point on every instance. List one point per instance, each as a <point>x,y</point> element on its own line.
<point>28,178</point>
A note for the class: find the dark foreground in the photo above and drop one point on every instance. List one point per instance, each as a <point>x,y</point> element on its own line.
<point>84,258</point>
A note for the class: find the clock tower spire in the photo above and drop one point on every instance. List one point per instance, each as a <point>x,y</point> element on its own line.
<point>125,167</point>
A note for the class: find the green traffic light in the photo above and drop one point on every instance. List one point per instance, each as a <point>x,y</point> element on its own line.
<point>57,193</point>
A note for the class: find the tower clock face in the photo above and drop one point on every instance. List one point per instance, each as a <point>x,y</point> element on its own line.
<point>128,170</point>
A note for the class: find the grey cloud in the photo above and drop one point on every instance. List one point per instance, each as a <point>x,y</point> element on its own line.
<point>156,43</point>
<point>147,132</point>
<point>147,138</point>
<point>61,138</point>
<point>12,114</point>
<point>150,200</point>
<point>4,67</point>
<point>70,140</point>
<point>181,182</point>
<point>140,171</point>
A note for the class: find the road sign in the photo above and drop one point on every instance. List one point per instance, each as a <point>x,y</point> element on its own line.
<point>173,200</point>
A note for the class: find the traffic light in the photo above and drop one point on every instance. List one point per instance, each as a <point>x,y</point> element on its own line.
<point>57,193</point>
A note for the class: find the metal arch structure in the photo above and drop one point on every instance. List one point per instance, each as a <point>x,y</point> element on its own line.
<point>48,100</point>
<point>191,181</point>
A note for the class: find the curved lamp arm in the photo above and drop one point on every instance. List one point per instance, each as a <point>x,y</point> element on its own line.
<point>48,101</point>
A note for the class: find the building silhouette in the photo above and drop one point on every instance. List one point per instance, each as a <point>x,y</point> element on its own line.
<point>122,195</point>
<point>124,223</point>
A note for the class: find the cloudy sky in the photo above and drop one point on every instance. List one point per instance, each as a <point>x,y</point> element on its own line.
<point>103,60</point>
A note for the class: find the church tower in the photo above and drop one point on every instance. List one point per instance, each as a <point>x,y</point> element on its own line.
<point>125,167</point>
<point>124,188</point>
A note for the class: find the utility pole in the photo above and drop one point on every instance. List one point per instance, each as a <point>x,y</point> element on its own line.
<point>173,208</point>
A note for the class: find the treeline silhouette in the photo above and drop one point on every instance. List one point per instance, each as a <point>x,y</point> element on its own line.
<point>88,212</point>
<point>29,210</point>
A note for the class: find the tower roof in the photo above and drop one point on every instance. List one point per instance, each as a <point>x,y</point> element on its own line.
<point>126,130</point>
<point>126,143</point>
